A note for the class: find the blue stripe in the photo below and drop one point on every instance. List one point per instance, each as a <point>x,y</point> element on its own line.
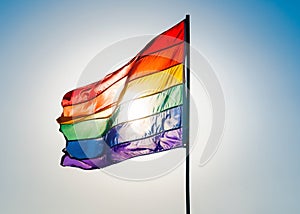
<point>86,148</point>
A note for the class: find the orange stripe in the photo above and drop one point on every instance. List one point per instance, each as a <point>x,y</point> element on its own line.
<point>158,61</point>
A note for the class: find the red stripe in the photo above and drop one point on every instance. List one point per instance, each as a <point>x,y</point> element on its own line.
<point>85,93</point>
<point>166,39</point>
<point>92,90</point>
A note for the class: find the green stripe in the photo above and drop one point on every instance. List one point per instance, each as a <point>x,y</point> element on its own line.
<point>98,127</point>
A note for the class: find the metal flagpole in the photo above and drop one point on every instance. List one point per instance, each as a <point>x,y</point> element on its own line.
<point>186,132</point>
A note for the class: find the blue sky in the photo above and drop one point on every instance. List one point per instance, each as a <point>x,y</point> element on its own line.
<point>254,47</point>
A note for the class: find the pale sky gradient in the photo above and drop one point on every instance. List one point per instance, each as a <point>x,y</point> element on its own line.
<point>254,47</point>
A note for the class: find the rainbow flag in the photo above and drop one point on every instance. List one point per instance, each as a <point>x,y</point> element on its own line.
<point>136,110</point>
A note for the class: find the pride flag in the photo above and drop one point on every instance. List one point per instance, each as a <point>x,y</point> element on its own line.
<point>136,110</point>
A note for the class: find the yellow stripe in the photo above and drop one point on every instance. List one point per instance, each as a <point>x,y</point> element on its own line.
<point>153,83</point>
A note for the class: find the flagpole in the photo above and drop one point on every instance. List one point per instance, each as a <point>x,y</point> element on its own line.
<point>186,133</point>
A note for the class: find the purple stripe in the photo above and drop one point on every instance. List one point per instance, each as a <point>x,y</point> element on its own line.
<point>95,163</point>
<point>158,143</point>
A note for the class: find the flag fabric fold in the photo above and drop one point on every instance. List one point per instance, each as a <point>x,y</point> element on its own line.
<point>134,111</point>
